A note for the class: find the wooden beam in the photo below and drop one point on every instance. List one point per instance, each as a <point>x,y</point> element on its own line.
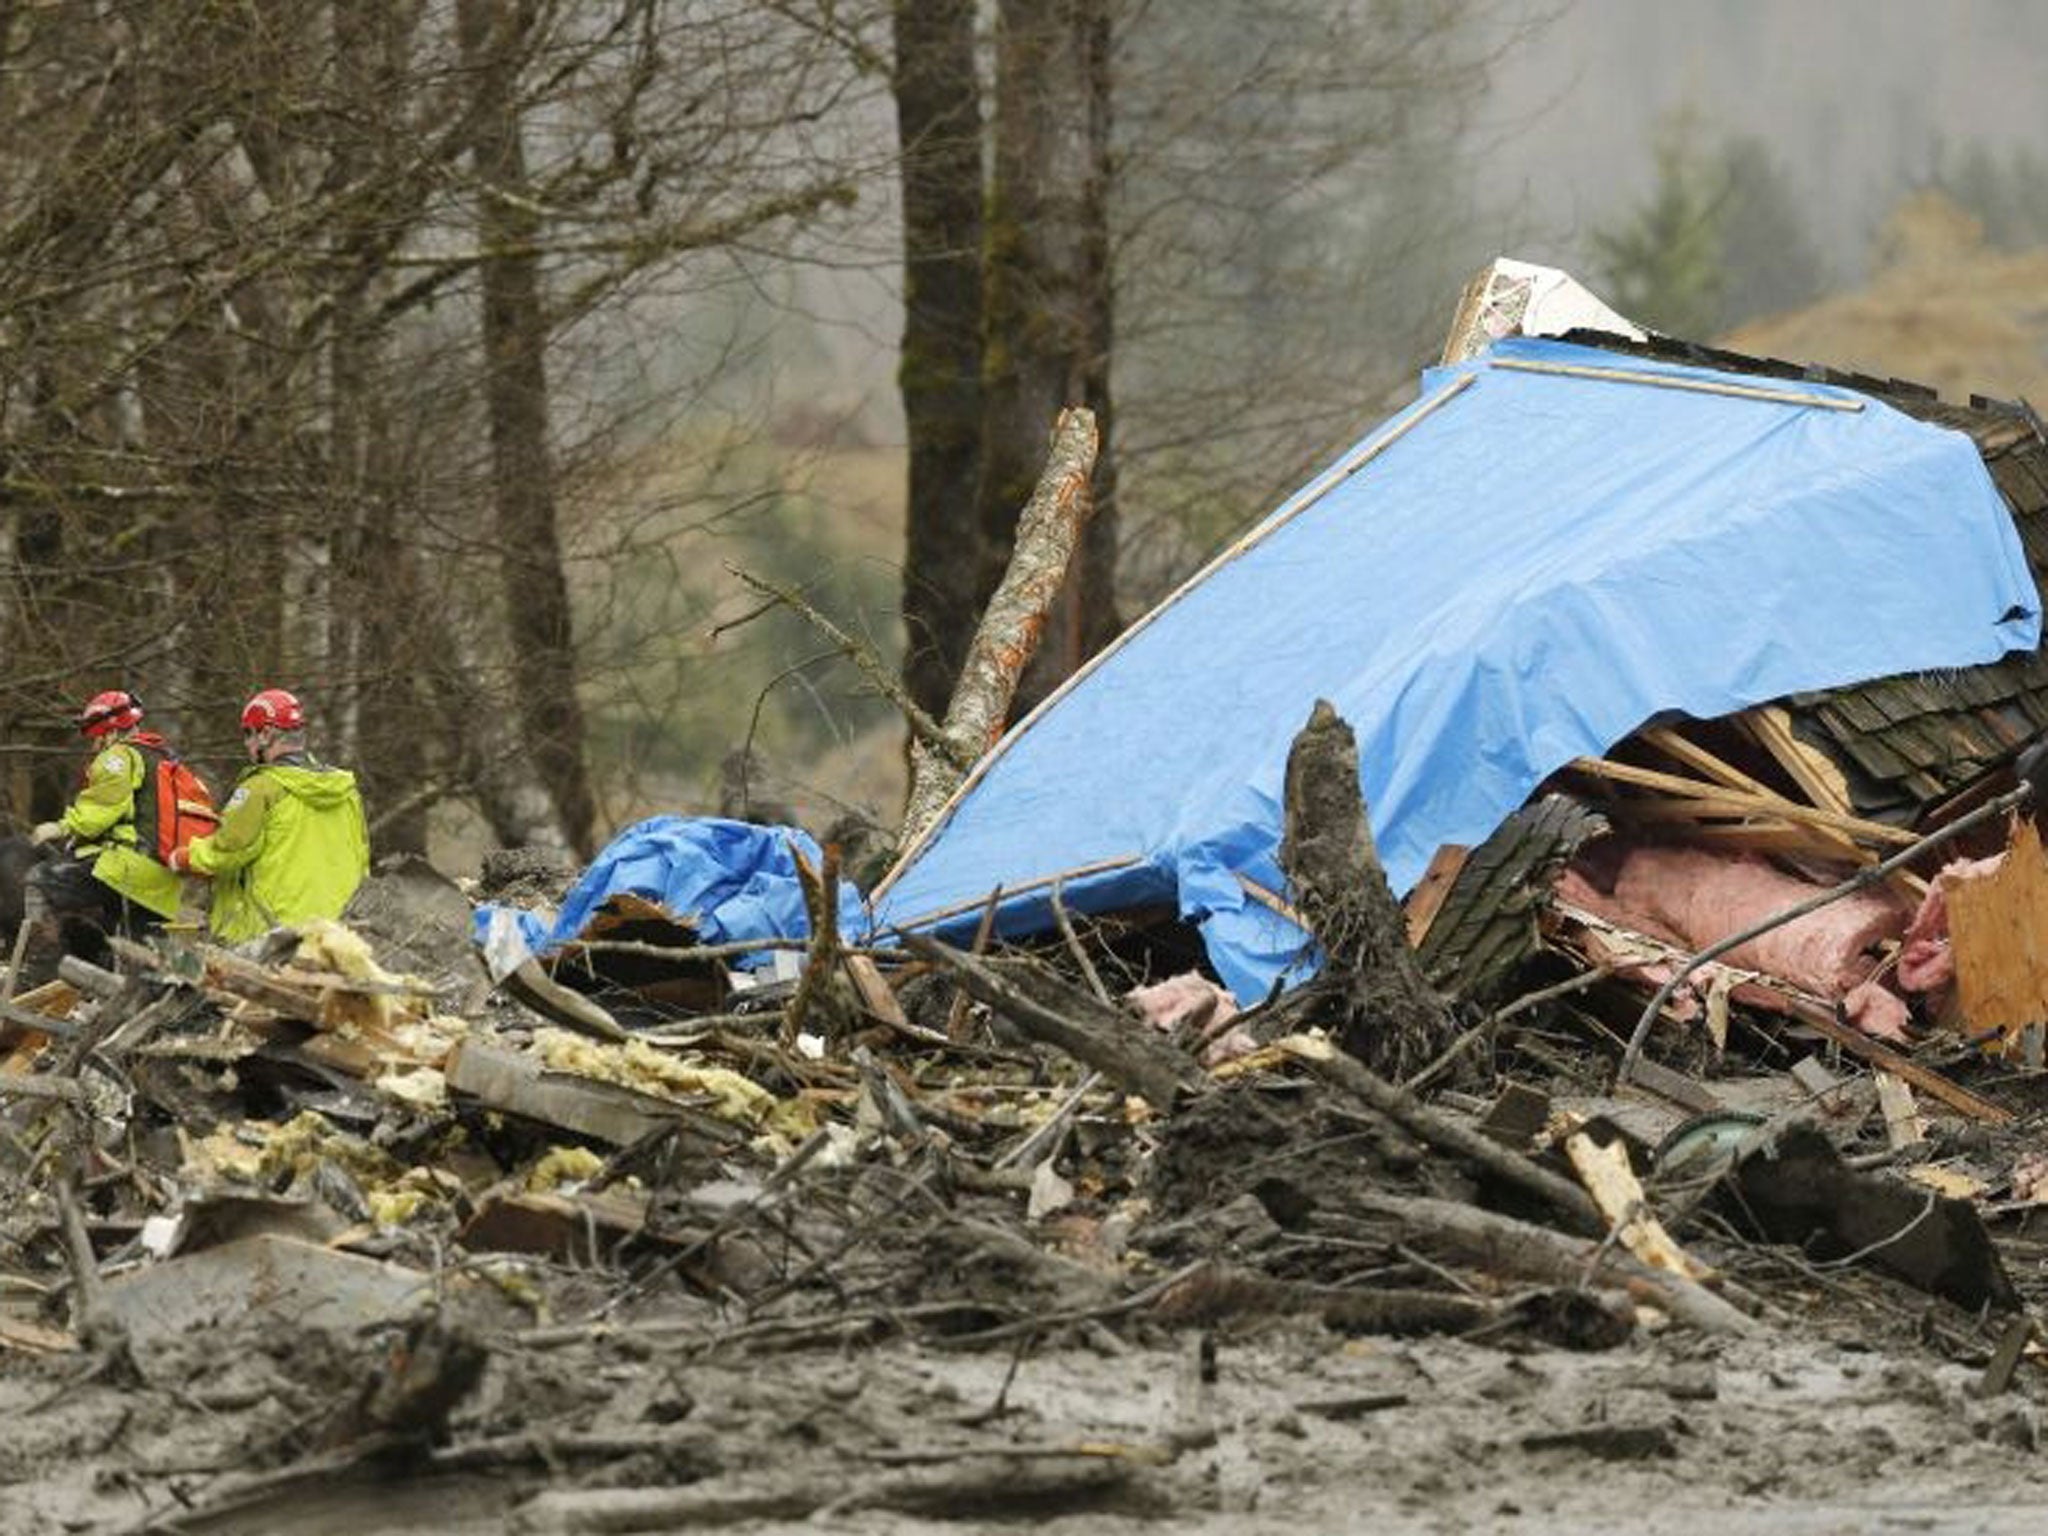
<point>1760,837</point>
<point>1765,805</point>
<point>1819,1017</point>
<point>1427,899</point>
<point>1683,750</point>
<point>1741,827</point>
<point>1679,382</point>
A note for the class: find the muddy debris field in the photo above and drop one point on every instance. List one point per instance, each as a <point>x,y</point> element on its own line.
<point>1519,1216</point>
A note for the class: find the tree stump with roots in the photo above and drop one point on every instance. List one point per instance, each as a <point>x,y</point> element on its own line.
<point>1371,990</point>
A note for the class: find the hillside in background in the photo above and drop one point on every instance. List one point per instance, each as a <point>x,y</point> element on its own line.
<point>1941,308</point>
<point>1857,100</point>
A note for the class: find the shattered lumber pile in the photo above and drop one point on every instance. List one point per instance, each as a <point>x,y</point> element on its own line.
<point>311,1192</point>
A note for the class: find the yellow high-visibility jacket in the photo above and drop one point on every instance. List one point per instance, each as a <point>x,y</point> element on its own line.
<point>292,845</point>
<point>101,823</point>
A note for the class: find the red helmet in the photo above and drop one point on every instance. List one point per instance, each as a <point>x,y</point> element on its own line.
<point>274,709</point>
<point>113,710</point>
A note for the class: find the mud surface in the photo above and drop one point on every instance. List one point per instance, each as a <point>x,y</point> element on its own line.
<point>1275,1424</point>
<point>971,1379</point>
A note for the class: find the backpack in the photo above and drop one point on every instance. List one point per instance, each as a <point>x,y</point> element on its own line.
<point>172,804</point>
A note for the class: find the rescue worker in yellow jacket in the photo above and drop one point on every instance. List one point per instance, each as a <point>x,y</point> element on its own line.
<point>104,882</point>
<point>292,843</point>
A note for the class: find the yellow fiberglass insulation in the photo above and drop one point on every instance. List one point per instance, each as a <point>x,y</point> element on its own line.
<point>639,1066</point>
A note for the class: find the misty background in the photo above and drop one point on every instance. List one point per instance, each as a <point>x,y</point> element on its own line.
<point>1842,107</point>
<point>475,370</point>
<point>1857,102</point>
<point>1706,168</point>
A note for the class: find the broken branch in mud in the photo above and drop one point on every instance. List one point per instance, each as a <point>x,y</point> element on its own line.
<point>1073,942</point>
<point>1009,1480</point>
<point>790,1167</point>
<point>1217,1293</point>
<point>821,903</point>
<point>1362,1083</point>
<point>1504,1245</point>
<point>1093,1033</point>
<point>1137,1301</point>
<point>1489,1026</point>
<point>90,1321</point>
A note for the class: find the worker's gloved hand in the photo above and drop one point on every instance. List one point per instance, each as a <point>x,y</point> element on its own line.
<point>47,832</point>
<point>180,860</point>
<point>2032,771</point>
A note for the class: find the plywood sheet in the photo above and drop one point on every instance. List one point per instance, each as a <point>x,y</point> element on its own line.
<point>1998,933</point>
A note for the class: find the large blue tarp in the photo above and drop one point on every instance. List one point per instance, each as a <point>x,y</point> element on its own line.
<point>1522,568</point>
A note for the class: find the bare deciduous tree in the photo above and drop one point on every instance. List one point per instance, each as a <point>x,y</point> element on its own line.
<point>939,124</point>
<point>293,295</point>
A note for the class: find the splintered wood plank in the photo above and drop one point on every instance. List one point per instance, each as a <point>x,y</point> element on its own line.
<point>583,1227</point>
<point>1903,1124</point>
<point>32,1338</point>
<point>1820,1017</point>
<point>1427,899</point>
<point>1811,769</point>
<point>1998,934</point>
<point>1781,841</point>
<point>874,991</point>
<point>52,1000</point>
<point>516,1083</point>
<point>1683,749</point>
<point>1604,1169</point>
<point>56,998</point>
<point>1679,1089</point>
<point>1740,828</point>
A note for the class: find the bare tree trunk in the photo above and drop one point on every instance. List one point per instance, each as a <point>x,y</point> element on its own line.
<point>938,117</point>
<point>1048,306</point>
<point>376,679</point>
<point>351,356</point>
<point>1088,604</point>
<point>488,761</point>
<point>536,590</point>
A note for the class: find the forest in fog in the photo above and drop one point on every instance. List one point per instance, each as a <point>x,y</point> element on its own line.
<point>467,366</point>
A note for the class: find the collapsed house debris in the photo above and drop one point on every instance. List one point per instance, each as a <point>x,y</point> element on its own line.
<point>1115,1055</point>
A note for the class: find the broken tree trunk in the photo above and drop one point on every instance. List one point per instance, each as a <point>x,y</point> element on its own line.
<point>1386,1014</point>
<point>1013,623</point>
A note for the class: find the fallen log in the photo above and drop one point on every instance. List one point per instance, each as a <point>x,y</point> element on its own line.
<point>1219,1294</point>
<point>1005,1480</point>
<point>1503,1245</point>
